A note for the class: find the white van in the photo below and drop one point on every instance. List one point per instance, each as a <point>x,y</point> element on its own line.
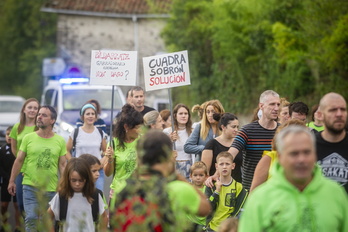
<point>68,99</point>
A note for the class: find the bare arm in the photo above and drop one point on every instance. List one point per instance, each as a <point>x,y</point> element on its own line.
<point>103,222</point>
<point>207,158</point>
<point>103,148</point>
<point>234,151</point>
<point>51,214</point>
<point>261,172</point>
<point>109,165</point>
<point>62,164</point>
<point>15,171</point>
<point>69,146</point>
<point>14,146</point>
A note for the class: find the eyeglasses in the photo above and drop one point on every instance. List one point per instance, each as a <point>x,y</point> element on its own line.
<point>77,180</point>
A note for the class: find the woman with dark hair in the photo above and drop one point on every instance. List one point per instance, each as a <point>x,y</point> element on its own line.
<point>122,156</point>
<point>26,125</point>
<point>182,130</point>
<point>89,140</point>
<point>99,123</point>
<point>229,125</point>
<point>206,130</point>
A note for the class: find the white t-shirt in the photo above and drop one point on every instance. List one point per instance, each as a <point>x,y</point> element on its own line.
<point>88,143</point>
<point>183,136</point>
<point>79,214</point>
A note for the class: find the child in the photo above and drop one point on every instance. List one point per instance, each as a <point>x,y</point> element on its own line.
<point>198,175</point>
<point>94,164</point>
<point>228,196</point>
<point>6,162</point>
<point>77,187</point>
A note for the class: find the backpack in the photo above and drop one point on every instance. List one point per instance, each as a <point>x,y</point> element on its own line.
<point>63,209</point>
<point>143,205</point>
<point>76,133</point>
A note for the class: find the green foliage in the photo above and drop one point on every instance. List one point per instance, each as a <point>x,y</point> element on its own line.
<point>238,49</point>
<point>27,36</point>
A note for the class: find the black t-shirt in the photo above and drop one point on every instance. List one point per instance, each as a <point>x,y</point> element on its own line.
<point>333,159</point>
<point>217,147</point>
<point>146,110</point>
<point>6,162</point>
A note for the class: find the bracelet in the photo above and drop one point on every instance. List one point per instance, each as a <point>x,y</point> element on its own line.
<point>216,192</point>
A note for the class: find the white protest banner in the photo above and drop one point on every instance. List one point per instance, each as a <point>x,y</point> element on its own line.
<point>166,71</point>
<point>111,67</point>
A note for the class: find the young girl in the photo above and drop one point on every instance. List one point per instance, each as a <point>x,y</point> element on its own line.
<point>77,187</point>
<point>182,130</point>
<point>198,175</point>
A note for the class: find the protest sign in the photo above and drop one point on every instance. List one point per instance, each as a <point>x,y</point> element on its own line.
<point>111,67</point>
<point>166,71</point>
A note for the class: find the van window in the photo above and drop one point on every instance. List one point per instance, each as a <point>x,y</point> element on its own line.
<point>48,96</point>
<point>74,99</point>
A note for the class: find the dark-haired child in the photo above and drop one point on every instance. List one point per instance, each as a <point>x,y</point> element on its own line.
<point>6,162</point>
<point>77,187</point>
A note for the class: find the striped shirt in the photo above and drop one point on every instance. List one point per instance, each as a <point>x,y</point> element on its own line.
<point>252,139</point>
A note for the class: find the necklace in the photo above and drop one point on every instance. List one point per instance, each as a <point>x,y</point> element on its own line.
<point>181,127</point>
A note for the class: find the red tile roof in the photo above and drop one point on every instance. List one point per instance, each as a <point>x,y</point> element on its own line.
<point>112,6</point>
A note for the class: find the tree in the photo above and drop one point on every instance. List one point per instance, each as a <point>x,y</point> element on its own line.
<point>27,36</point>
<point>238,49</point>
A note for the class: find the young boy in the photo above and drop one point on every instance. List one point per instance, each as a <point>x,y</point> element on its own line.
<point>6,162</point>
<point>228,196</point>
<point>198,175</point>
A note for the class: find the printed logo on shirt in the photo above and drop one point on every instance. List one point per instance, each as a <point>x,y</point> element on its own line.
<point>131,162</point>
<point>44,160</point>
<point>335,167</point>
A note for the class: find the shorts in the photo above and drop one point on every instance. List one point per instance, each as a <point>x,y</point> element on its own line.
<point>5,196</point>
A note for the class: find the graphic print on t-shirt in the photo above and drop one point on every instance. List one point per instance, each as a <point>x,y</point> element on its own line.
<point>131,162</point>
<point>44,160</point>
<point>335,167</point>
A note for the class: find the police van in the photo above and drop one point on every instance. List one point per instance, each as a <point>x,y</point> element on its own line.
<point>67,96</point>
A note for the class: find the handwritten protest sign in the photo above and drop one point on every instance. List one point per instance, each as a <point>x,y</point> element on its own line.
<point>111,67</point>
<point>166,71</point>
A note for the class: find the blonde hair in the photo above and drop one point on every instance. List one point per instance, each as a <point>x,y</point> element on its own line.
<point>205,125</point>
<point>150,118</point>
<point>199,165</point>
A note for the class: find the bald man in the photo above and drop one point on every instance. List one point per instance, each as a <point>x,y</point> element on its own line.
<point>332,143</point>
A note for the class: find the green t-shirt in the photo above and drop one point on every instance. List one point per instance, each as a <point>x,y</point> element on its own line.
<point>19,137</point>
<point>315,127</point>
<point>42,157</point>
<point>184,201</point>
<point>126,162</point>
<point>197,219</point>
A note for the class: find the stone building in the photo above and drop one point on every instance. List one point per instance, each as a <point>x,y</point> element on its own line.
<point>128,25</point>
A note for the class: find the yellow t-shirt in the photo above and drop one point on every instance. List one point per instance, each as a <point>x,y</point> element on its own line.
<point>274,157</point>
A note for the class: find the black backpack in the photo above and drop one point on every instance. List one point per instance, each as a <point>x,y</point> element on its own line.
<point>63,209</point>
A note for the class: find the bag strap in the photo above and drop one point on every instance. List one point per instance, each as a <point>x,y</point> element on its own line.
<point>63,208</point>
<point>76,132</point>
<point>95,205</point>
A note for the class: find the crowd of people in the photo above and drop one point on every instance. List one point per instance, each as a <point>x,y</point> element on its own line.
<point>277,173</point>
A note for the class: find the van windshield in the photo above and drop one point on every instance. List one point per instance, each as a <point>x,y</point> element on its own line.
<point>74,99</point>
